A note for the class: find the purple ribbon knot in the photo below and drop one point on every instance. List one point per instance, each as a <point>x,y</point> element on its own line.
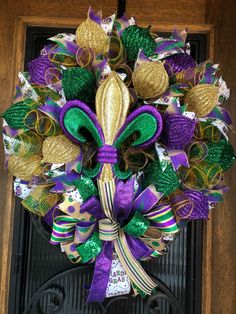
<point>107,154</point>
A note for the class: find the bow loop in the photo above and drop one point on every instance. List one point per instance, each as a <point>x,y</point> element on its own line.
<point>108,229</point>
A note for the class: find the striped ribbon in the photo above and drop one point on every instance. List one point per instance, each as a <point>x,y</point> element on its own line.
<point>162,217</point>
<point>67,229</point>
<point>108,229</point>
<point>63,229</point>
<point>134,270</point>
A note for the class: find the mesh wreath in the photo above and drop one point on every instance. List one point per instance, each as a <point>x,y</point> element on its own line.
<point>117,138</point>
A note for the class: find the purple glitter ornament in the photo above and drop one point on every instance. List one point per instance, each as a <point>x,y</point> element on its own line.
<point>178,131</point>
<point>178,62</point>
<point>38,68</point>
<point>196,208</point>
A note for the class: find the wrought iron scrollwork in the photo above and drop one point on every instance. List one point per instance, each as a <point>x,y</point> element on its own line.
<point>49,299</point>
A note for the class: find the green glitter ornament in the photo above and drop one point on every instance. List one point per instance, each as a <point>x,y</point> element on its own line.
<point>78,83</point>
<point>165,182</point>
<point>135,38</point>
<point>220,153</point>
<point>15,115</point>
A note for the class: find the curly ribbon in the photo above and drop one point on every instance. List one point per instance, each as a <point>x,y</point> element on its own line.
<point>52,78</point>
<point>117,53</point>
<point>42,124</point>
<point>85,57</point>
<point>24,145</point>
<point>60,55</point>
<point>201,176</point>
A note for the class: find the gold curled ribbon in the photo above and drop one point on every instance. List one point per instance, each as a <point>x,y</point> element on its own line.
<point>205,131</point>
<point>42,124</point>
<point>197,152</point>
<point>52,76</point>
<point>117,53</point>
<point>85,57</point>
<point>201,176</point>
<point>61,58</point>
<point>136,153</point>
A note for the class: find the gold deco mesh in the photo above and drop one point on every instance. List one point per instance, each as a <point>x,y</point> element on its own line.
<point>201,99</point>
<point>59,149</point>
<point>150,79</point>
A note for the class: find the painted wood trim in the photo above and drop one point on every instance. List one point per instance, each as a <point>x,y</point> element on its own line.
<point>20,29</point>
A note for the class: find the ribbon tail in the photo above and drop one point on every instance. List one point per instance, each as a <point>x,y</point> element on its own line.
<point>133,269</point>
<point>101,274</point>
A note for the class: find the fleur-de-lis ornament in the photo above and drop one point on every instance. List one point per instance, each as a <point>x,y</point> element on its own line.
<point>110,126</point>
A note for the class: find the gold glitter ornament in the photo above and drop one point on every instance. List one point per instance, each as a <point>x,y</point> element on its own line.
<point>150,79</point>
<point>59,150</point>
<point>202,99</point>
<point>24,167</point>
<point>90,35</point>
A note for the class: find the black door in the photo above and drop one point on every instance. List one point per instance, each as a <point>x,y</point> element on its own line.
<point>44,281</point>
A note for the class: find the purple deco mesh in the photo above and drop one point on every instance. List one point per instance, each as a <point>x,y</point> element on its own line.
<point>197,209</point>
<point>178,62</point>
<point>178,131</point>
<point>38,68</point>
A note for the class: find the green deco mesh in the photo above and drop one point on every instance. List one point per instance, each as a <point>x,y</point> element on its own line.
<point>221,153</point>
<point>165,182</point>
<point>78,83</point>
<point>135,38</point>
<point>15,115</point>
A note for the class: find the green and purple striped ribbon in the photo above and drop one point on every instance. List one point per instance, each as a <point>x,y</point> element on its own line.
<point>163,218</point>
<point>63,229</point>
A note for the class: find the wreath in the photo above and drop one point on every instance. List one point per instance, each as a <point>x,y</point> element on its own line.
<point>117,138</point>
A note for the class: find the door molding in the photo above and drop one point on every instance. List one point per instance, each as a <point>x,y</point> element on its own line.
<point>21,24</point>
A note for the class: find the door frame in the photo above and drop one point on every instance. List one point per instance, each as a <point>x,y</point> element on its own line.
<point>21,25</point>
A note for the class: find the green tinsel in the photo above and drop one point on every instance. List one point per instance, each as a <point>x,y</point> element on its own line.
<point>78,83</point>
<point>135,38</point>
<point>15,115</point>
<point>220,153</point>
<point>165,182</point>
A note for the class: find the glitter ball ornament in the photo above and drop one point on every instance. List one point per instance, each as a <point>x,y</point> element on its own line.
<point>150,79</point>
<point>90,35</point>
<point>78,83</point>
<point>201,99</point>
<point>135,38</point>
